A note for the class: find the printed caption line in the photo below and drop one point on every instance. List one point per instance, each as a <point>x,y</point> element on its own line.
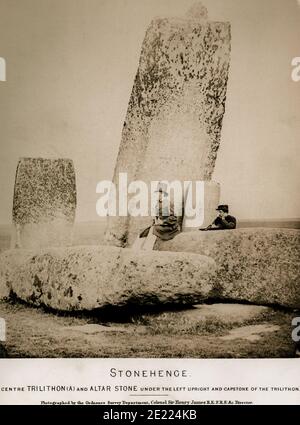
<point>149,395</point>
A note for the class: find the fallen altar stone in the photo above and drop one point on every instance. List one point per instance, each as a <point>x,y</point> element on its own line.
<point>85,278</point>
<point>258,265</point>
<point>44,203</point>
<point>173,124</point>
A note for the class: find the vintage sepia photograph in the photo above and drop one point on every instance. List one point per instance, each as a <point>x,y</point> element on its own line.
<point>149,172</point>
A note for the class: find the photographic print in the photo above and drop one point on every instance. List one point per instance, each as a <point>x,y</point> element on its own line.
<point>149,171</point>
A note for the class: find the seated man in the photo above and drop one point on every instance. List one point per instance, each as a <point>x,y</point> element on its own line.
<point>165,225</point>
<point>223,221</point>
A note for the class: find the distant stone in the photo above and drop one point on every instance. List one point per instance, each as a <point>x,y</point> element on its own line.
<point>44,203</point>
<point>85,278</point>
<point>258,265</point>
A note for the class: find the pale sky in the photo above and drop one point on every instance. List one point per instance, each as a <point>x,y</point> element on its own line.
<point>70,71</point>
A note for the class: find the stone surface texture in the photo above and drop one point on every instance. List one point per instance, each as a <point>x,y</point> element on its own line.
<point>258,265</point>
<point>85,278</point>
<point>173,124</point>
<point>44,202</point>
<point>211,200</point>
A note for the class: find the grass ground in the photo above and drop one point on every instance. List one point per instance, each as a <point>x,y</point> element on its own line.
<point>33,332</point>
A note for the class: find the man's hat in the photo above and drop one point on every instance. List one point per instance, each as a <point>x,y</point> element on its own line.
<point>162,187</point>
<point>223,208</point>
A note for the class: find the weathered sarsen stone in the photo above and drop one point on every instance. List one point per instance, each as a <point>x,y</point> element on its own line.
<point>257,265</point>
<point>85,278</point>
<point>173,124</point>
<point>44,202</point>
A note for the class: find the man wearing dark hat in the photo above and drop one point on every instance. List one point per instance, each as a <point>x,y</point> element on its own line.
<point>223,221</point>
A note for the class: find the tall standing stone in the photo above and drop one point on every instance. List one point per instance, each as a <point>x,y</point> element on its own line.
<point>173,124</point>
<point>44,203</point>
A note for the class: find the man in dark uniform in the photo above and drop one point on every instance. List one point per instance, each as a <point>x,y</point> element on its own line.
<point>223,221</point>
